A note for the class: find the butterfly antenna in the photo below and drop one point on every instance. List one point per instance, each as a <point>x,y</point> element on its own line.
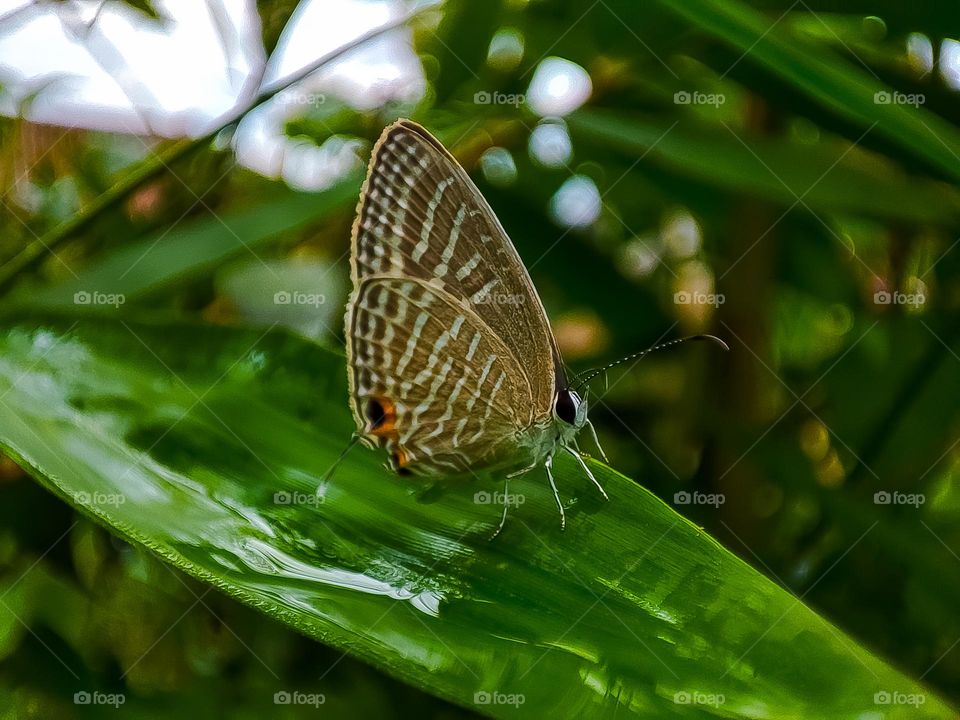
<point>591,374</point>
<point>336,463</point>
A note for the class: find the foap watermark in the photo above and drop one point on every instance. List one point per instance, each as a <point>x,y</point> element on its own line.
<point>286,497</point>
<point>884,297</point>
<point>95,297</point>
<point>486,97</point>
<point>500,299</point>
<point>686,697</point>
<point>293,97</point>
<point>883,497</point>
<point>498,498</point>
<point>295,697</point>
<point>296,297</point>
<point>885,97</point>
<point>685,97</point>
<point>683,497</point>
<point>685,297</point>
<point>86,697</point>
<point>99,498</point>
<point>886,697</point>
<point>495,697</point>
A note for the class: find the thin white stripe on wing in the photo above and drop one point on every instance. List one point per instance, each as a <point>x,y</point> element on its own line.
<point>424,244</point>
<point>412,341</point>
<point>448,251</point>
<point>468,267</point>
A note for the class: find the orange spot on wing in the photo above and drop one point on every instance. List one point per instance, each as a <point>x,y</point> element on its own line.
<point>400,457</point>
<point>382,418</point>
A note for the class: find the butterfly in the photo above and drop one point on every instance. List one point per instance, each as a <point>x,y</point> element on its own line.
<point>452,367</point>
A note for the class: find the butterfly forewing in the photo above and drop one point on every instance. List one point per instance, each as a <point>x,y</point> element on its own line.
<point>421,216</point>
<point>428,380</point>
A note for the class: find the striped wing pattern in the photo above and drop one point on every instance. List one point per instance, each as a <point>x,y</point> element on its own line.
<point>421,216</point>
<point>429,382</point>
<point>450,355</point>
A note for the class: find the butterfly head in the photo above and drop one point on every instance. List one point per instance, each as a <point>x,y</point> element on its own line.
<point>570,409</point>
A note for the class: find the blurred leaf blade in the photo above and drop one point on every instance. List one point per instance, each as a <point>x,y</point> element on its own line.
<point>851,91</point>
<point>461,42</point>
<point>822,177</point>
<point>185,252</point>
<point>212,462</point>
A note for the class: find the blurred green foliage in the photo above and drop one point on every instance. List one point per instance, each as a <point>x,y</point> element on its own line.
<point>805,195</point>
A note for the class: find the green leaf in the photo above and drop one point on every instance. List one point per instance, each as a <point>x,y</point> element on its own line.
<point>825,176</point>
<point>820,74</point>
<point>274,16</point>
<point>186,252</point>
<point>461,41</point>
<point>211,459</point>
<point>146,7</point>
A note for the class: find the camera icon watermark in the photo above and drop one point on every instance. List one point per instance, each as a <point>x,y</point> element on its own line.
<point>685,97</point>
<point>886,97</point>
<point>495,697</point>
<point>294,497</point>
<point>895,697</point>
<point>295,697</point>
<point>885,297</point>
<point>293,97</point>
<point>86,697</point>
<point>97,298</point>
<point>884,497</point>
<point>685,297</point>
<point>686,697</point>
<point>296,297</point>
<point>495,97</point>
<point>500,299</point>
<point>499,498</point>
<point>684,497</point>
<point>98,498</point>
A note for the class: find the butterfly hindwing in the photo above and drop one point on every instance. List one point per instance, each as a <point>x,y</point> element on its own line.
<point>428,380</point>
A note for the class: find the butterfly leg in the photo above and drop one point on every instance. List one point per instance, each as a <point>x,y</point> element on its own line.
<point>548,466</point>
<point>503,517</point>
<point>586,469</point>
<point>596,441</point>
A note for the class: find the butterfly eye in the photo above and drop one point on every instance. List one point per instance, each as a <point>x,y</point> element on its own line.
<point>566,406</point>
